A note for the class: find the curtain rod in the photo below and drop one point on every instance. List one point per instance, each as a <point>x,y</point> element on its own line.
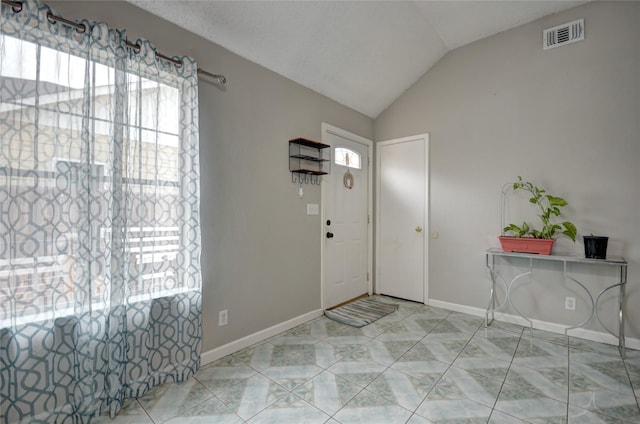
<point>16,6</point>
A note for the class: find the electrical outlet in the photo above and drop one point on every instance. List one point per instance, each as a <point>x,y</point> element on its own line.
<point>570,303</point>
<point>223,318</point>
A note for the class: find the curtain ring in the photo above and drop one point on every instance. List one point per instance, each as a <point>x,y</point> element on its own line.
<point>53,19</point>
<point>135,47</point>
<point>16,6</point>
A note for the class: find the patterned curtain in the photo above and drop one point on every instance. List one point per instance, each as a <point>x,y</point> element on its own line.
<point>100,284</point>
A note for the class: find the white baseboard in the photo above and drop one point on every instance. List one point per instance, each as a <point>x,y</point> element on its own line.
<point>551,327</point>
<point>234,346</point>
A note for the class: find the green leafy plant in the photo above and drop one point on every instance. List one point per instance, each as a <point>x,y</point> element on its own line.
<point>549,208</point>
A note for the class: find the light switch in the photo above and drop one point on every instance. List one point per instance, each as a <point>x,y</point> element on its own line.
<point>313,209</point>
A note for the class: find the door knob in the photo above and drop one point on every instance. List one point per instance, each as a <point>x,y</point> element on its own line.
<point>329,234</point>
<point>418,229</point>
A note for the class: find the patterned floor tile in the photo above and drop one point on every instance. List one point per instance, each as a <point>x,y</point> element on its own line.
<point>487,366</point>
<point>209,411</point>
<point>360,373</point>
<point>547,336</point>
<point>321,354</point>
<point>324,328</point>
<point>224,374</point>
<point>431,312</point>
<point>426,322</point>
<point>347,340</point>
<point>604,349</point>
<point>551,382</point>
<point>377,327</point>
<point>465,384</point>
<point>598,361</point>
<point>292,376</point>
<point>325,371</point>
<point>583,378</point>
<point>499,345</point>
<point>252,396</point>
<point>301,330</point>
<point>170,400</point>
<point>356,352</point>
<point>538,353</point>
<point>408,326</point>
<point>635,384</point>
<point>614,404</point>
<point>454,324</point>
<point>530,405</point>
<point>444,347</point>
<point>471,320</point>
<point>444,406</point>
<point>426,369</point>
<point>583,416</point>
<point>402,389</point>
<point>417,419</point>
<point>299,349</point>
<point>131,413</point>
<point>290,409</point>
<point>632,361</point>
<point>387,348</point>
<point>393,317</point>
<point>285,340</point>
<point>262,356</point>
<point>367,407</point>
<point>498,417</point>
<point>506,326</point>
<point>599,383</point>
<point>327,392</point>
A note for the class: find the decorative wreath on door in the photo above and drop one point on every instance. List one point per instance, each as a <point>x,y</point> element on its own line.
<point>348,180</point>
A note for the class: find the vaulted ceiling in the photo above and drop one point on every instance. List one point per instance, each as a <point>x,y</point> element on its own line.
<point>363,54</point>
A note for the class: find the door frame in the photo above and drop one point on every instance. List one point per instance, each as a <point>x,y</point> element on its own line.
<point>427,232</point>
<point>330,129</point>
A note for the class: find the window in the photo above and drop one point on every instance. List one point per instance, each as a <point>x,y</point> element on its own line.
<point>52,173</point>
<point>346,157</point>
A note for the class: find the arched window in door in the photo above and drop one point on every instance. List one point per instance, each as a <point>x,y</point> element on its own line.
<point>346,157</point>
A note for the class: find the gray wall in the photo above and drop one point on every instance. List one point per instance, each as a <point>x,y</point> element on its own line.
<point>261,252</point>
<point>566,118</point>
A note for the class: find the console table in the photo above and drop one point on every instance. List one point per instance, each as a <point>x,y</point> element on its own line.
<point>564,259</point>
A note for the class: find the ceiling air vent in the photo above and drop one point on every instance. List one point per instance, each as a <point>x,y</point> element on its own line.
<point>563,34</point>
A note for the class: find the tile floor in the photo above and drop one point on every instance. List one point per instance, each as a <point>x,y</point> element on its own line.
<point>418,365</point>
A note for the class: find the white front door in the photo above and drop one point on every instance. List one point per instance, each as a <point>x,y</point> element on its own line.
<point>401,218</point>
<point>346,209</point>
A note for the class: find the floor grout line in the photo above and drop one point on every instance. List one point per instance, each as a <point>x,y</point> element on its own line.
<point>302,354</point>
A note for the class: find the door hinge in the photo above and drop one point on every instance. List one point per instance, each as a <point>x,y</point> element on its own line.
<point>367,275</point>
<point>368,219</point>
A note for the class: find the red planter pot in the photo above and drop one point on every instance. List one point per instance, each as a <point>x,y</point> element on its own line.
<point>526,245</point>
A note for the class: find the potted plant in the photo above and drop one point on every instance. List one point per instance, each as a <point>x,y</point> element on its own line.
<point>595,247</point>
<point>528,239</point>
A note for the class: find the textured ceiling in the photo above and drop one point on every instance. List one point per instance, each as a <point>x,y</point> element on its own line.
<point>363,54</point>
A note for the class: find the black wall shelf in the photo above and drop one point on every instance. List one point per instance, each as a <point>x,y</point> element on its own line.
<point>308,160</point>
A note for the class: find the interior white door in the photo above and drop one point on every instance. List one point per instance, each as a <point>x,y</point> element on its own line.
<point>402,232</point>
<point>345,215</point>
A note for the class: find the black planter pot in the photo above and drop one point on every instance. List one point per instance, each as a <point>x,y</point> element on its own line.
<point>595,247</point>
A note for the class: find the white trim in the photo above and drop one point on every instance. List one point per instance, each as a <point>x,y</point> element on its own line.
<point>236,345</point>
<point>551,327</point>
<point>425,225</point>
<point>330,129</point>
